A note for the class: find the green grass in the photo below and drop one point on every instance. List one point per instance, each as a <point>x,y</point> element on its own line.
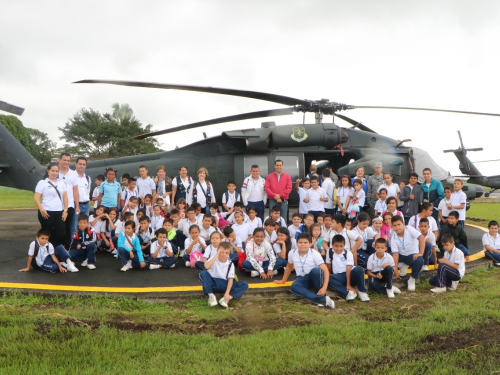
<point>455,333</point>
<point>483,210</point>
<point>15,198</point>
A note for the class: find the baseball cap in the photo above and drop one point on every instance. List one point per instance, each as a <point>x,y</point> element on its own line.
<point>377,165</point>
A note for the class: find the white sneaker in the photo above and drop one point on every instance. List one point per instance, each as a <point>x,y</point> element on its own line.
<point>411,284</point>
<point>497,264</point>
<point>91,266</point>
<point>254,273</point>
<point>182,253</point>
<point>154,266</point>
<point>114,252</point>
<point>84,263</point>
<point>403,269</point>
<point>363,296</point>
<point>63,264</point>
<point>172,266</point>
<point>329,303</point>
<point>438,290</point>
<point>223,302</point>
<point>129,264</point>
<point>425,268</point>
<point>454,285</point>
<point>395,290</point>
<point>71,266</point>
<point>212,301</point>
<point>275,272</point>
<point>124,268</point>
<point>351,296</point>
<point>390,293</point>
<point>188,263</point>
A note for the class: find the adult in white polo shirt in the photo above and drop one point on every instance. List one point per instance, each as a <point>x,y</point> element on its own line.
<point>145,184</point>
<point>53,208</point>
<point>407,246</point>
<point>253,192</point>
<point>329,187</point>
<point>83,183</point>
<point>69,178</point>
<point>458,201</point>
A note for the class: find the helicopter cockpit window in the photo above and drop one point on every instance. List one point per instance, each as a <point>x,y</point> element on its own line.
<point>261,161</point>
<point>290,165</point>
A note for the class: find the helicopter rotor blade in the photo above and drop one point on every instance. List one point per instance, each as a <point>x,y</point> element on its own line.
<point>220,120</point>
<point>425,109</point>
<point>355,123</point>
<point>213,90</point>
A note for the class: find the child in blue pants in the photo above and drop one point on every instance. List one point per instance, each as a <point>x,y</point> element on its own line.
<point>42,255</point>
<point>162,255</point>
<point>451,267</point>
<point>218,277</point>
<point>380,270</point>
<point>311,271</point>
<point>84,244</point>
<point>261,257</point>
<point>491,242</point>
<point>344,275</point>
<point>129,248</point>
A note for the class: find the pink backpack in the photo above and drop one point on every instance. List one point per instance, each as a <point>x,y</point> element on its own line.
<point>194,256</point>
<point>222,222</point>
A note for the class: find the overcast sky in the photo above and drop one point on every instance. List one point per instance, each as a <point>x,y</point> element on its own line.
<point>424,54</point>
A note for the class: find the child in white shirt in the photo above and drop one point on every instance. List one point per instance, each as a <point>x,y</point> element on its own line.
<point>451,267</point>
<point>380,269</point>
<point>296,222</point>
<point>302,191</point>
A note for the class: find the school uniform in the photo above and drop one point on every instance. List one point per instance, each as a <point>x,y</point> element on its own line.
<point>209,253</point>
<point>196,247</point>
<point>494,242</point>
<point>444,209</point>
<point>256,223</point>
<point>459,236</point>
<point>156,222</point>
<point>374,265</point>
<point>215,279</point>
<point>309,275</point>
<point>126,194</point>
<point>392,190</point>
<point>292,229</point>
<point>302,229</point>
<point>338,277</point>
<point>414,222</point>
<point>360,195</point>
<point>446,274</point>
<point>183,187</point>
<point>303,206</point>
<point>380,206</point>
<point>316,206</point>
<point>43,259</point>
<point>265,253</point>
<point>397,212</point>
<point>83,184</point>
<point>242,231</point>
<point>429,246</point>
<point>271,237</point>
<point>366,249</point>
<point>110,193</point>
<point>407,246</point>
<point>278,249</point>
<point>145,186</point>
<point>185,224</point>
<point>134,211</point>
<point>350,238</point>
<point>162,258</point>
<point>145,239</point>
<point>105,229</point>
<point>124,248</point>
<point>87,240</point>
<point>280,221</point>
<point>231,219</point>
<point>342,194</point>
<point>236,242</point>
<point>457,198</point>
<point>230,199</point>
<point>329,188</point>
<point>326,233</point>
<point>205,233</point>
<point>69,179</point>
<point>253,194</point>
<point>95,194</point>
<point>119,228</point>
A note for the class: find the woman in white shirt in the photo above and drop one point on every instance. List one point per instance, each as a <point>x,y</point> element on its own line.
<point>53,207</point>
<point>202,191</point>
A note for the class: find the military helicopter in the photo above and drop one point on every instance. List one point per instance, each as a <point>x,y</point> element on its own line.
<point>468,168</point>
<point>229,156</point>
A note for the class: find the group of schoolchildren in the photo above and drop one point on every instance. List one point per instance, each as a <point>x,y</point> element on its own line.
<point>334,244</point>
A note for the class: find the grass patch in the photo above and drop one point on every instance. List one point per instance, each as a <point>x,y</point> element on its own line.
<point>15,198</point>
<point>483,210</point>
<point>417,332</point>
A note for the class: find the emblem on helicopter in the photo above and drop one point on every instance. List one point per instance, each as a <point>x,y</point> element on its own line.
<point>299,133</point>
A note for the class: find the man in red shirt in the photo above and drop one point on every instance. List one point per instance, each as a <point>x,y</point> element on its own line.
<point>278,186</point>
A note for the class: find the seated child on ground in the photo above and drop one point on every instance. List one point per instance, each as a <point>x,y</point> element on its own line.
<point>210,250</point>
<point>296,223</point>
<point>430,243</point>
<point>84,244</point>
<point>162,255</point>
<point>284,244</point>
<point>261,258</point>
<point>253,220</point>
<point>206,228</point>
<point>42,255</point>
<point>157,218</point>
<point>168,225</point>
<point>304,228</point>
<point>360,227</point>
<point>451,267</point>
<point>129,248</point>
<point>194,243</point>
<point>311,272</point>
<point>491,242</point>
<point>343,274</point>
<point>145,234</point>
<point>318,243</point>
<point>243,230</point>
<point>107,229</point>
<point>235,243</point>
<point>269,232</point>
<point>353,241</point>
<point>380,269</point>
<point>218,277</point>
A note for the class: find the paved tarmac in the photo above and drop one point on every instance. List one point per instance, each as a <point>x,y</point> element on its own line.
<point>20,226</point>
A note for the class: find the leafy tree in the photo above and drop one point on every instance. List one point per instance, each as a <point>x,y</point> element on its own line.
<point>97,134</point>
<point>36,142</point>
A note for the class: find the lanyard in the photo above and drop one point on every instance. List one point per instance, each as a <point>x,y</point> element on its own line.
<point>384,205</point>
<point>363,235</point>
<point>449,256</point>
<point>303,263</point>
<point>44,252</point>
<point>402,243</point>
<point>255,182</point>
<point>378,262</point>
<point>155,218</point>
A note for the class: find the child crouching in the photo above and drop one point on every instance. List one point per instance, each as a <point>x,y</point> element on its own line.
<point>381,270</point>
<point>129,248</point>
<point>42,255</point>
<point>218,277</point>
<point>451,267</point>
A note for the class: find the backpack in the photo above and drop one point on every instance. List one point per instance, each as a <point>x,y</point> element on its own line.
<point>236,196</point>
<point>222,222</point>
<point>195,256</point>
<point>330,252</point>
<point>35,254</point>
